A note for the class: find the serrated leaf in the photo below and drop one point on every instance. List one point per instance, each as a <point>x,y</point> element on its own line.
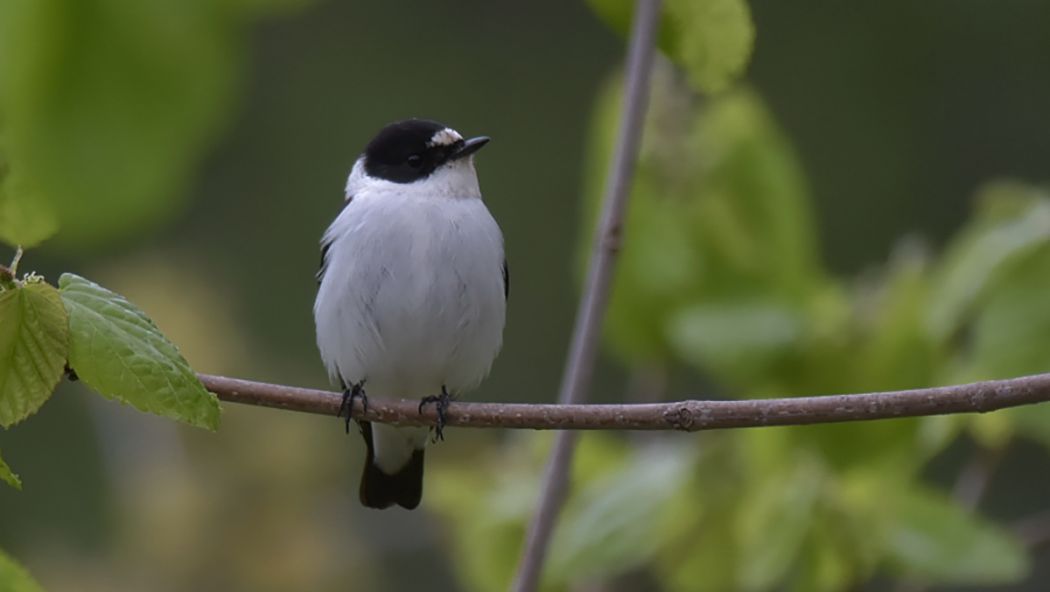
<point>937,541</point>
<point>8,476</point>
<point>710,39</point>
<point>118,351</point>
<point>34,341</point>
<point>14,577</point>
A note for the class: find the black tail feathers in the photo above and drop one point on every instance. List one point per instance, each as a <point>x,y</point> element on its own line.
<point>379,490</point>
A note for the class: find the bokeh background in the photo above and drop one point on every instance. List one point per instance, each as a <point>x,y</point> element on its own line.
<point>866,131</point>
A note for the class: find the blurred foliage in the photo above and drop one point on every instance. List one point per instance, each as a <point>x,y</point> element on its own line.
<point>932,537</point>
<point>720,274</point>
<point>710,39</point>
<point>14,577</point>
<point>1011,221</point>
<point>100,337</point>
<point>82,87</point>
<point>8,476</point>
<point>105,107</point>
<point>744,252</point>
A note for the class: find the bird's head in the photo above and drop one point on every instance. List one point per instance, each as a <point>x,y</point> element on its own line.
<point>423,153</point>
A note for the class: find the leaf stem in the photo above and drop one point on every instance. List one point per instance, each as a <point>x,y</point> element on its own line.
<point>15,261</point>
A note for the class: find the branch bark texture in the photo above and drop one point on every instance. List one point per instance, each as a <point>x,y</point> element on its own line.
<point>688,415</point>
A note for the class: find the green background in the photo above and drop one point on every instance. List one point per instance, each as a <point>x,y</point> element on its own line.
<point>899,113</point>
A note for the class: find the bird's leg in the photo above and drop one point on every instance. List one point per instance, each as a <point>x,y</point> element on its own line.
<point>356,391</point>
<point>441,403</point>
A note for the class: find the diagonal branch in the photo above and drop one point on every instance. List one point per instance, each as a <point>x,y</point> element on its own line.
<point>583,350</point>
<point>690,415</point>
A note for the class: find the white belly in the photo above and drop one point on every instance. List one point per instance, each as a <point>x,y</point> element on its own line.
<point>412,297</point>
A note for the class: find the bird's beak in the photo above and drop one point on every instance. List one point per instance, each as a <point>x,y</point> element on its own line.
<point>469,147</point>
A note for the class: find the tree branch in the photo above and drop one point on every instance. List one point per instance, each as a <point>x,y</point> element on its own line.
<point>583,350</point>
<point>689,415</point>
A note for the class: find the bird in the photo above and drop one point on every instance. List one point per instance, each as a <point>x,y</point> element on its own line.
<point>412,292</point>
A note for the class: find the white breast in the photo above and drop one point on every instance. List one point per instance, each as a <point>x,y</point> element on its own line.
<point>412,295</point>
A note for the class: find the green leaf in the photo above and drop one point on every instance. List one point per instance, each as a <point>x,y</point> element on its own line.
<point>710,39</point>
<point>616,522</point>
<point>488,500</point>
<point>897,352</point>
<point>118,351</point>
<point>714,41</point>
<point>1011,337</point>
<point>1011,334</point>
<point>735,338</point>
<point>787,499</point>
<point>34,340</point>
<point>1012,220</point>
<point>108,108</point>
<point>661,269</point>
<point>719,212</point>
<point>14,577</point>
<point>8,476</point>
<point>753,184</point>
<point>935,540</point>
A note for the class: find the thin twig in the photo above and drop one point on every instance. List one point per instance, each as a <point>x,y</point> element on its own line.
<point>688,415</point>
<point>583,349</point>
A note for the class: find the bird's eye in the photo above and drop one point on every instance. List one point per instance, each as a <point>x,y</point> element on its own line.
<point>415,161</point>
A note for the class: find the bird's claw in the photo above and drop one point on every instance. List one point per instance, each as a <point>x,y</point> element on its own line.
<point>441,403</point>
<point>356,391</point>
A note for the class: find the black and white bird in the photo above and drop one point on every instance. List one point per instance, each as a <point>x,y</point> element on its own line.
<point>413,291</point>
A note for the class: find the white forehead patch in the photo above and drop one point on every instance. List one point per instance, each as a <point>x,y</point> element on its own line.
<point>445,137</point>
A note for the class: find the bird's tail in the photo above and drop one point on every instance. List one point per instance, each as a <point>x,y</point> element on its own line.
<point>381,490</point>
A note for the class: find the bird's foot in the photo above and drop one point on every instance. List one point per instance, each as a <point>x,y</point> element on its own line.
<point>441,403</point>
<point>356,391</point>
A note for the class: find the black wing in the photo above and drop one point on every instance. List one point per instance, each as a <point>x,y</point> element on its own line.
<point>325,245</point>
<point>506,281</point>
